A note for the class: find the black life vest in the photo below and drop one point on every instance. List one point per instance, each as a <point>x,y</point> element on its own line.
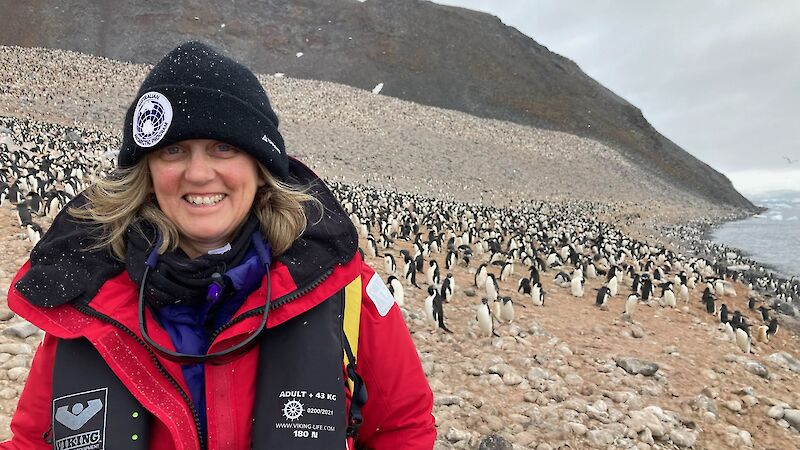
<point>300,401</point>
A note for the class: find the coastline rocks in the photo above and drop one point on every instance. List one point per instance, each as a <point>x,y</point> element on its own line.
<point>637,366</point>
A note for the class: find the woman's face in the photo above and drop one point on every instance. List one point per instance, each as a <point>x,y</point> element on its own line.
<point>206,188</point>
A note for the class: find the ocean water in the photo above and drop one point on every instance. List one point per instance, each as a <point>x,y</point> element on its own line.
<point>773,237</point>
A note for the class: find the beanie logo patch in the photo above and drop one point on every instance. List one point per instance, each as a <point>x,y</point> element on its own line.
<point>151,119</point>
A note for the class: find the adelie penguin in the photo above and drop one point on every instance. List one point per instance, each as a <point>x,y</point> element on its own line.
<point>562,279</point>
<point>434,309</point>
<point>434,279</point>
<point>576,287</point>
<point>448,287</point>
<point>396,288</point>
<point>524,286</point>
<point>537,294</point>
<point>630,307</point>
<point>492,288</point>
<point>411,276</point>
<point>388,264</point>
<point>484,318</point>
<point>603,294</point>
<point>480,276</point>
<point>506,309</point>
<point>372,247</point>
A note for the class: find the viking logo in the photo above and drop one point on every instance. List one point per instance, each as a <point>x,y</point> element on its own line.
<point>151,119</point>
<point>79,415</point>
<point>79,420</point>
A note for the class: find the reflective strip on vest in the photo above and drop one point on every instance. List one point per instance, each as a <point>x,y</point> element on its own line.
<point>352,319</point>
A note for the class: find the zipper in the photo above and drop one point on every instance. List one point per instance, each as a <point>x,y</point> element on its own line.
<point>280,301</point>
<point>94,313</point>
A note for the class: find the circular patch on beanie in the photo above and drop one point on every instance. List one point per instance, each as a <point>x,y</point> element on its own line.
<point>151,119</point>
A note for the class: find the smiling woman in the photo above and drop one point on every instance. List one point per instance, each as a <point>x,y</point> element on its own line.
<point>155,289</point>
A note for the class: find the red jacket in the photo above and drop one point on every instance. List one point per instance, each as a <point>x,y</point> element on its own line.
<point>397,414</point>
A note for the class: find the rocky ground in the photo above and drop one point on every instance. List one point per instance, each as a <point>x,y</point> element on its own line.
<point>565,375</point>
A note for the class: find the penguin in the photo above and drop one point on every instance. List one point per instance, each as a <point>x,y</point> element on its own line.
<point>396,288</point>
<point>668,297</point>
<point>591,270</point>
<point>419,263</point>
<point>534,276</point>
<point>484,318</point>
<point>630,306</point>
<point>772,328</point>
<point>647,287</point>
<point>761,334</point>
<point>711,308</point>
<point>451,260</point>
<point>411,276</point>
<point>524,286</point>
<point>506,271</point>
<point>447,287</point>
<point>34,232</point>
<point>433,273</point>
<point>719,288</point>
<point>23,214</point>
<point>372,247</point>
<point>388,264</point>
<point>613,285</point>
<point>723,313</point>
<point>430,316</point>
<point>743,338</point>
<point>576,287</point>
<point>537,294</point>
<point>764,313</point>
<point>562,279</point>
<point>684,293</point>
<point>491,288</point>
<point>480,276</point>
<point>506,309</point>
<point>603,294</point>
<point>437,309</point>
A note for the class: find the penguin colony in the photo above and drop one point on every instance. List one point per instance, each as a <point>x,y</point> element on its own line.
<point>535,247</point>
<point>43,166</point>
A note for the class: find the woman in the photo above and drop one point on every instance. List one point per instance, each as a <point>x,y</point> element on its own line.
<point>152,286</point>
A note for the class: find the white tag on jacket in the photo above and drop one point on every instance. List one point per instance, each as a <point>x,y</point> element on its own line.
<point>379,294</point>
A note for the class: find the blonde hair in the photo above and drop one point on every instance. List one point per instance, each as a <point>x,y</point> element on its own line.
<point>121,200</point>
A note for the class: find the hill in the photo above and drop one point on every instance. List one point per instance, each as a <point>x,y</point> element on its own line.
<point>469,62</point>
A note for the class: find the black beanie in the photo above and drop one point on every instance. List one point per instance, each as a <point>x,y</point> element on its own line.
<point>194,92</point>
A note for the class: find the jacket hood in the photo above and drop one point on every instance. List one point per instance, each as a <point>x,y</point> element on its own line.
<point>62,269</point>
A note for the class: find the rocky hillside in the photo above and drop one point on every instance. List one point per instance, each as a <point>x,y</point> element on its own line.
<point>469,62</point>
<point>350,134</point>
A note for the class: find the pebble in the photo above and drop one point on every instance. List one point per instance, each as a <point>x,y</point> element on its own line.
<point>17,348</point>
<point>733,405</point>
<point>6,314</point>
<point>757,368</point>
<point>599,438</point>
<point>775,412</point>
<point>18,373</point>
<point>577,429</point>
<point>455,435</point>
<point>21,330</point>
<point>637,366</point>
<point>495,442</point>
<point>448,400</point>
<point>793,417</point>
<point>683,438</point>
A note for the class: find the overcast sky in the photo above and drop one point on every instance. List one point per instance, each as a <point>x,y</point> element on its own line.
<point>721,78</point>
